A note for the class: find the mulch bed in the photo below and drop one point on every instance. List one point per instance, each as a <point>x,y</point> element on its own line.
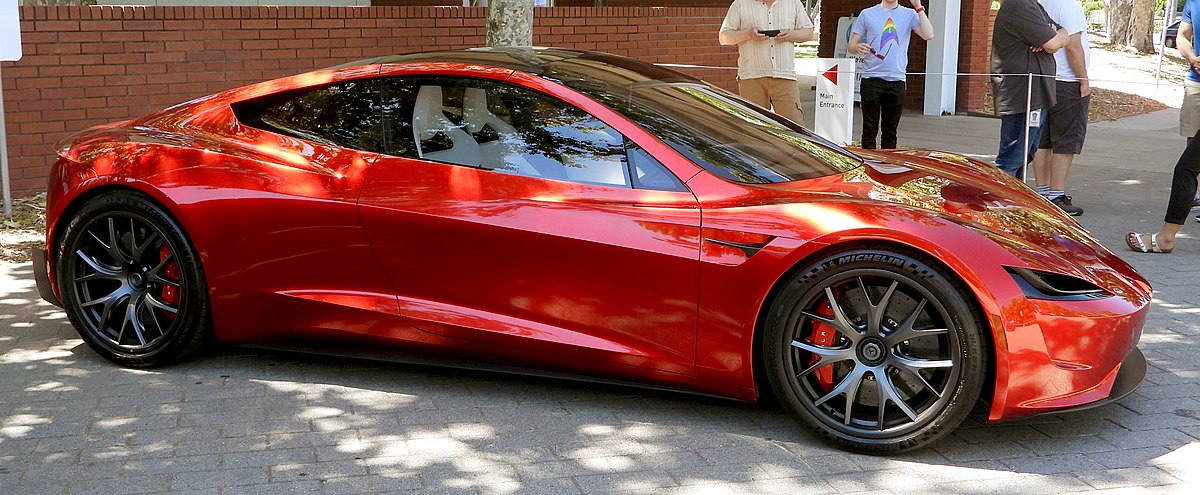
<point>1106,105</point>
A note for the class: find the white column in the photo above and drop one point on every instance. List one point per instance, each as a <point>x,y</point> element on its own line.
<point>941,56</point>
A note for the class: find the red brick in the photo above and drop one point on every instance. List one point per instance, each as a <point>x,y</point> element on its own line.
<point>122,36</point>
<point>107,113</point>
<point>124,58</point>
<point>142,25</point>
<point>144,46</point>
<point>60,71</point>
<point>44,26</point>
<point>63,115</point>
<point>72,37</point>
<point>183,46</point>
<point>296,43</point>
<point>15,117</point>
<point>102,91</point>
<point>222,45</point>
<point>164,57</point>
<point>60,48</point>
<point>258,24</point>
<point>295,23</point>
<point>276,33</point>
<point>163,36</point>
<point>146,69</point>
<point>100,26</point>
<point>260,44</point>
<point>103,70</point>
<point>40,127</point>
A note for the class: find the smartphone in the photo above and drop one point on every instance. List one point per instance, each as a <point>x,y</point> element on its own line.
<point>769,32</point>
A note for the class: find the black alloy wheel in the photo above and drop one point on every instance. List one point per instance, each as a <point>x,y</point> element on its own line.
<point>876,350</point>
<point>131,282</point>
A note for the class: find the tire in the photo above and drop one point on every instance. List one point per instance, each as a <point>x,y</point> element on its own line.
<point>867,324</point>
<point>131,282</point>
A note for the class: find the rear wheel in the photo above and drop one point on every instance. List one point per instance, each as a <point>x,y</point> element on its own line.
<point>131,282</point>
<point>875,350</point>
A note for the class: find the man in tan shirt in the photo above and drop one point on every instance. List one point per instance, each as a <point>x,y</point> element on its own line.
<point>765,32</point>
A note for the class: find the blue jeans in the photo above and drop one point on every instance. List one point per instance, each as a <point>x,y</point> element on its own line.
<point>1012,132</point>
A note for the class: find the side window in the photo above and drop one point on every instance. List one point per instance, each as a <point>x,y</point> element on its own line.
<point>346,114</point>
<point>648,172</point>
<point>500,127</point>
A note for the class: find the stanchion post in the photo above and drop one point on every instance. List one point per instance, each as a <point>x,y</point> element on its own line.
<point>4,155</point>
<point>1025,143</point>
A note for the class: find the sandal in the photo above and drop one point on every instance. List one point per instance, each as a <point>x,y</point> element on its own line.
<point>1135,242</point>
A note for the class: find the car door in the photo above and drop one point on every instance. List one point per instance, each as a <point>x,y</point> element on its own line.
<point>505,216</point>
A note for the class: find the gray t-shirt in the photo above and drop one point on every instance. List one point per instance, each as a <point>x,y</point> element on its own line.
<point>888,33</point>
<point>1020,25</point>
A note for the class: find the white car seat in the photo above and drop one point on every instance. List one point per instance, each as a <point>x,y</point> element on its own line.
<point>429,120</point>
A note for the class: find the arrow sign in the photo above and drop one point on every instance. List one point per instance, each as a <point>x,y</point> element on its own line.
<point>831,74</point>
<point>835,99</point>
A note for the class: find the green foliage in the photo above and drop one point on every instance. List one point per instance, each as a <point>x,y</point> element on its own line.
<point>1090,6</point>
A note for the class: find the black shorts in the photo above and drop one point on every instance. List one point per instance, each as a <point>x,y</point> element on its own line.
<point>1066,121</point>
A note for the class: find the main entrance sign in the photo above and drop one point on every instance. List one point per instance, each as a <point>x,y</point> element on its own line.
<point>834,119</point>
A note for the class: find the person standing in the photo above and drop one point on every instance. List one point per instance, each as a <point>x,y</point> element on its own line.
<point>1066,121</point>
<point>888,27</point>
<point>765,32</point>
<point>1023,42</point>
<point>1185,42</point>
<point>1183,190</point>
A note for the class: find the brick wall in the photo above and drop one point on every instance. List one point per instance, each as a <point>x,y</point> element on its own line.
<point>84,66</point>
<point>975,41</point>
<point>974,53</point>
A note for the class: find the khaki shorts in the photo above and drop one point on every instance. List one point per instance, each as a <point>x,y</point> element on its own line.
<point>774,93</point>
<point>1189,113</point>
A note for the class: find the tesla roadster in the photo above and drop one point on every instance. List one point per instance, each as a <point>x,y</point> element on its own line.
<point>578,213</point>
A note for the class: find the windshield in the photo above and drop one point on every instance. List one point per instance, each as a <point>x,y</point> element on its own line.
<point>726,135</point>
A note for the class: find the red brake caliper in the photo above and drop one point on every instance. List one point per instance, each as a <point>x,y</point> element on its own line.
<point>823,335</point>
<point>170,294</point>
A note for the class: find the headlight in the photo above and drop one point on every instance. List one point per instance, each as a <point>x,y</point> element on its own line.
<point>1037,284</point>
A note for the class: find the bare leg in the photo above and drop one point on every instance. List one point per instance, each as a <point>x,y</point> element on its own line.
<point>1166,236</point>
<point>1041,168</point>
<point>1060,165</point>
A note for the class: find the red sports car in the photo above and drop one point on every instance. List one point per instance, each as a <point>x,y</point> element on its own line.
<point>578,213</point>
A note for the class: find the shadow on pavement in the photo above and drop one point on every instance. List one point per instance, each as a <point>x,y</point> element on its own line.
<point>248,420</point>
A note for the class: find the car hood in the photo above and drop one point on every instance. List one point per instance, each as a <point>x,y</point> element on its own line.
<point>976,195</point>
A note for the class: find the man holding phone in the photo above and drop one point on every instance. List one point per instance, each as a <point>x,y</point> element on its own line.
<point>765,32</point>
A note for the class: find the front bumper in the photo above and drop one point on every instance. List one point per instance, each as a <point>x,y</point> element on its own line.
<point>41,273</point>
<point>1128,378</point>
<point>1070,355</point>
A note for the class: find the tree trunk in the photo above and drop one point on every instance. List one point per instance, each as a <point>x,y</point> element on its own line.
<point>1118,13</point>
<point>510,23</point>
<point>1131,23</point>
<point>1141,32</point>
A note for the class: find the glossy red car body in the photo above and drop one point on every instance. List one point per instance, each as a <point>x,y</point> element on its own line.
<point>304,241</point>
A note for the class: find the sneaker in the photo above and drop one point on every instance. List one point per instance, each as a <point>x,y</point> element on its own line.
<point>1064,203</point>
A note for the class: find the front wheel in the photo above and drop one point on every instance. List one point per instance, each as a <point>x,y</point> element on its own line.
<point>131,282</point>
<point>875,350</point>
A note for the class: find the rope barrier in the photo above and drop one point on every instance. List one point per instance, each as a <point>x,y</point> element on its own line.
<point>967,74</point>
